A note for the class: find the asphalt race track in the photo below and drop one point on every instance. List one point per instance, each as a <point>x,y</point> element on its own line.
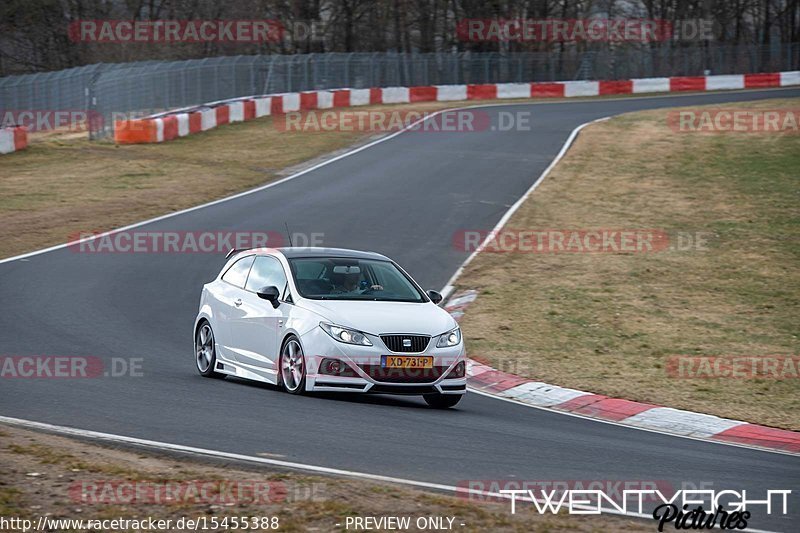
<point>405,197</point>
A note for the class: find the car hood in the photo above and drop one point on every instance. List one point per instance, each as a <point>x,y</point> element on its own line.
<point>383,317</point>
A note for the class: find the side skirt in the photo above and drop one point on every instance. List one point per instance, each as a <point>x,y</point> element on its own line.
<point>243,371</point>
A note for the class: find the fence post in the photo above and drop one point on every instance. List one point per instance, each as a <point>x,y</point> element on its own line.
<point>216,80</point>
<point>347,69</point>
<point>91,105</point>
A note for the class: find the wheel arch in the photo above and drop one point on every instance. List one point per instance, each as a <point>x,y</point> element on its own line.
<point>292,334</point>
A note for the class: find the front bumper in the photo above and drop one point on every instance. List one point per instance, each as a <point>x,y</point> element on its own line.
<point>365,362</point>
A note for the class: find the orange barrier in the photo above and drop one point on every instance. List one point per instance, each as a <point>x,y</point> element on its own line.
<point>135,131</point>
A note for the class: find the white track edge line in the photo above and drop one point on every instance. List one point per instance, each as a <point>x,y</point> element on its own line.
<point>364,147</point>
<point>179,448</point>
<point>513,209</point>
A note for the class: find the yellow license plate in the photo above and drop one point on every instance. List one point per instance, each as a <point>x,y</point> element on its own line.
<point>407,361</point>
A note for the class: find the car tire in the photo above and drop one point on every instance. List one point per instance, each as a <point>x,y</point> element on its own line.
<point>442,401</point>
<point>205,351</point>
<point>292,366</point>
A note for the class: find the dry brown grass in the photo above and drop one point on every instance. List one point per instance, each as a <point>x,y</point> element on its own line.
<point>607,323</point>
<point>64,184</point>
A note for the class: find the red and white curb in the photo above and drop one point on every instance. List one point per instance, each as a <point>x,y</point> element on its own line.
<point>13,139</point>
<point>483,378</point>
<point>181,122</point>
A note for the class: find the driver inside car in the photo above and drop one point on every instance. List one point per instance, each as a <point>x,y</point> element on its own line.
<point>351,283</point>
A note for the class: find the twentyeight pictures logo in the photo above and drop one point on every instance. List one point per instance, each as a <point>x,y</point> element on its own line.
<point>683,509</point>
<point>488,490</point>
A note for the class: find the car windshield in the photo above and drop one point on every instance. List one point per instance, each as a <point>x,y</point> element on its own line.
<point>335,278</point>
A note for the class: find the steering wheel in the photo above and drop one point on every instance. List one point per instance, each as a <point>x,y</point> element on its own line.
<point>373,288</point>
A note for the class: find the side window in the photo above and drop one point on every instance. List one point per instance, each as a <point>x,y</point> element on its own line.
<point>237,273</point>
<point>266,271</point>
<point>309,269</point>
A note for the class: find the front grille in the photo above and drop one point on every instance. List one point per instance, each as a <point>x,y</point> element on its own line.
<point>394,389</point>
<point>353,386</point>
<point>396,343</point>
<point>403,375</point>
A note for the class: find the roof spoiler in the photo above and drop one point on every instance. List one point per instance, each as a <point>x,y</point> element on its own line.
<point>234,251</point>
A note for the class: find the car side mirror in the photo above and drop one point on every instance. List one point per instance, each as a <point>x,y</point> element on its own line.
<point>270,294</point>
<point>435,296</point>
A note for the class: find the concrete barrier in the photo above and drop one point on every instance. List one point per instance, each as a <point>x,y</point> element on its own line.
<point>158,129</point>
<point>13,139</point>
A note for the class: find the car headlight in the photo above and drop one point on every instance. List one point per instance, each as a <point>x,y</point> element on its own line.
<point>346,335</point>
<point>451,338</point>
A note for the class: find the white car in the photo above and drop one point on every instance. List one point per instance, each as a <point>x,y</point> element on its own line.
<point>328,319</point>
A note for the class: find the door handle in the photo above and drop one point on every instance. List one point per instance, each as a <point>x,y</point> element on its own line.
<point>280,323</point>
<point>237,302</point>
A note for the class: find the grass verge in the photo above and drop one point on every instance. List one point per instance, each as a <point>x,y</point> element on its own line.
<point>65,184</point>
<point>45,475</point>
<point>608,323</point>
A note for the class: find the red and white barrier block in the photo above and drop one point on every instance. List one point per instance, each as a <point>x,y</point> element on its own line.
<point>484,378</point>
<point>169,126</point>
<point>13,139</point>
<point>180,124</point>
